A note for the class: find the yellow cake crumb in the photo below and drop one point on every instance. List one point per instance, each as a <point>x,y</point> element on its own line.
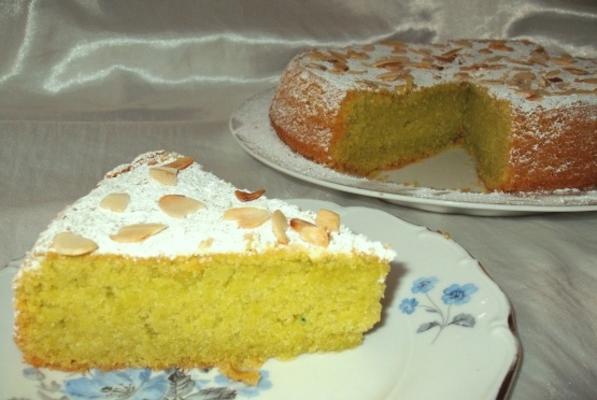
<point>225,310</point>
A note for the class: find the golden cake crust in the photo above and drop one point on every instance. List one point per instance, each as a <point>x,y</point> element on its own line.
<point>562,158</point>
<point>553,101</point>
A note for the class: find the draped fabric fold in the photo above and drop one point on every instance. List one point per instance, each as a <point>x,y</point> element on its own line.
<point>88,60</point>
<point>86,85</point>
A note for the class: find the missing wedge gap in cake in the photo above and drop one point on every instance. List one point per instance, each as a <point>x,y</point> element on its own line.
<point>385,130</point>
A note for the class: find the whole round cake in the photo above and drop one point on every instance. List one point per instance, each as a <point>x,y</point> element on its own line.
<point>527,116</point>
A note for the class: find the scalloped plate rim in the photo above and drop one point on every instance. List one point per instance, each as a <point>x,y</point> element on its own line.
<point>508,325</point>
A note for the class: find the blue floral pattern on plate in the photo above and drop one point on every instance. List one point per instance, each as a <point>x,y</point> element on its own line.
<point>144,384</point>
<point>133,384</point>
<point>453,295</point>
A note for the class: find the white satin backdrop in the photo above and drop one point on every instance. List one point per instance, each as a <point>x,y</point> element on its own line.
<point>87,85</point>
<point>196,60</point>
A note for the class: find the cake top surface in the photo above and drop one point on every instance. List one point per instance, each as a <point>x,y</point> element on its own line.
<point>166,205</point>
<point>520,71</point>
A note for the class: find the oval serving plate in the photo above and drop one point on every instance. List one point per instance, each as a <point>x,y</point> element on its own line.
<point>447,331</point>
<point>446,182</point>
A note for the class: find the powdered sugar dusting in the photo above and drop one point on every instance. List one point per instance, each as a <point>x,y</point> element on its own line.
<point>548,79</point>
<point>313,114</point>
<point>184,236</point>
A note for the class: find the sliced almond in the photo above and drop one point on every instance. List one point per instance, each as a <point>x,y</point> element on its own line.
<point>587,80</point>
<point>427,65</point>
<point>247,217</point>
<point>357,55</point>
<point>206,244</point>
<point>279,226</point>
<point>449,56</point>
<point>446,59</point>
<point>464,42</point>
<point>500,45</point>
<point>539,56</point>
<point>180,163</point>
<point>297,224</point>
<point>494,59</point>
<point>399,50</point>
<point>462,76</point>
<point>328,220</point>
<point>576,71</point>
<point>572,91</point>
<point>391,61</point>
<point>523,79</point>
<point>396,67</point>
<point>422,51</point>
<point>394,43</point>
<point>248,196</point>
<point>554,79</point>
<point>450,53</point>
<point>391,76</point>
<point>533,95</point>
<point>368,84</point>
<point>339,67</point>
<point>544,82</point>
<point>310,233</point>
<point>553,72</point>
<point>71,244</point>
<point>480,66</point>
<point>517,68</point>
<point>338,55</point>
<point>119,171</point>
<point>518,62</point>
<point>524,76</point>
<point>116,202</point>
<point>179,206</point>
<point>320,67</point>
<point>315,235</point>
<point>137,232</point>
<point>317,55</point>
<point>564,59</point>
<point>164,175</point>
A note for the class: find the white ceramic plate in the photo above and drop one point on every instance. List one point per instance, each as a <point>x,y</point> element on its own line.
<point>447,332</point>
<point>444,183</point>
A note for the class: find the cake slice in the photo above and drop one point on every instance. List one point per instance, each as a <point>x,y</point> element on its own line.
<point>163,264</point>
